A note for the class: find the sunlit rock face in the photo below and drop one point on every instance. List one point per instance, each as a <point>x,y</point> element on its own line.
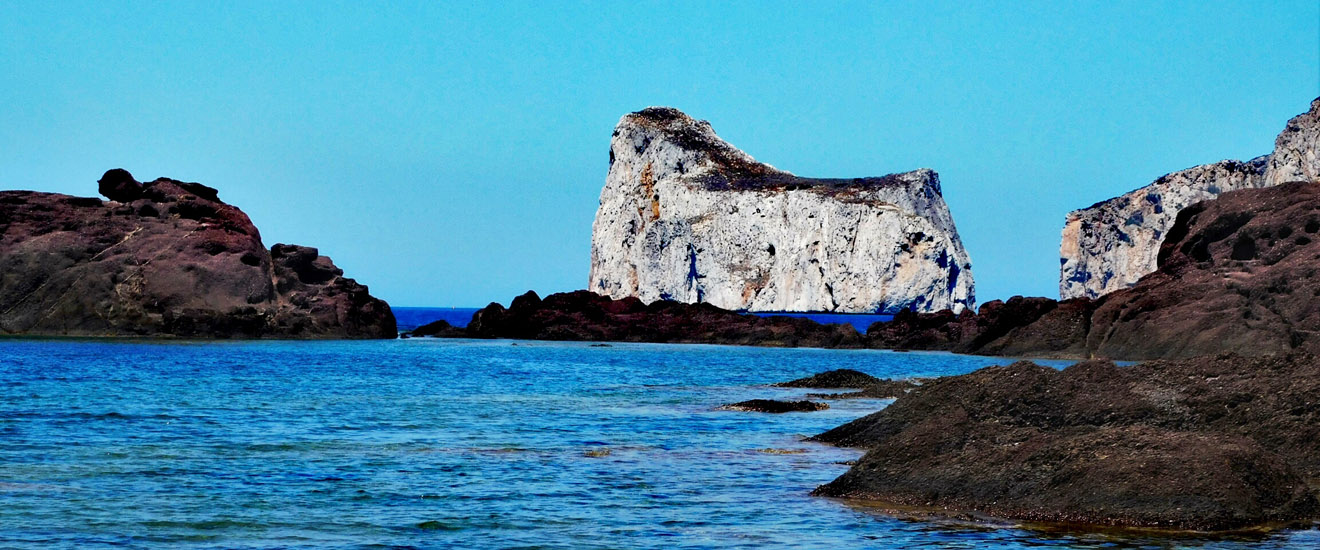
<point>686,216</point>
<point>1112,244</point>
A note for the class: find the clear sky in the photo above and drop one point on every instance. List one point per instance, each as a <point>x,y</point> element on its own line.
<point>453,154</point>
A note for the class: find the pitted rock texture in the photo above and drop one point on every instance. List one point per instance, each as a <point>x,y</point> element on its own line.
<point>1211,443</point>
<point>1113,243</point>
<point>685,216</point>
<point>166,258</point>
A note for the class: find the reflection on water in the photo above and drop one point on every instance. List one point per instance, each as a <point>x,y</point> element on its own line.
<point>435,444</point>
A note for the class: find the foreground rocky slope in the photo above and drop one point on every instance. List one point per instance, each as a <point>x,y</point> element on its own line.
<point>587,316</point>
<point>1112,244</point>
<point>1238,273</point>
<point>1211,443</point>
<point>685,216</point>
<point>166,258</point>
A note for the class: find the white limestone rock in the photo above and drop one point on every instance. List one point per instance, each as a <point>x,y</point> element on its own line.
<point>686,216</point>
<point>1296,154</point>
<point>1112,244</point>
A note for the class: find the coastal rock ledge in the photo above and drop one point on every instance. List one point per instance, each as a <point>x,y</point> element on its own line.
<point>166,258</point>
<point>1205,444</point>
<point>685,216</point>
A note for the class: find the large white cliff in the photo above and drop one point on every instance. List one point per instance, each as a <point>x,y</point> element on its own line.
<point>1111,244</point>
<point>686,216</point>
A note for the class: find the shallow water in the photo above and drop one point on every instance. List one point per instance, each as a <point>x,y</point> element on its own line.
<point>442,443</point>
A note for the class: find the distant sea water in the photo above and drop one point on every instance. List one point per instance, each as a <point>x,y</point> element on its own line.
<point>427,443</point>
<point>412,317</point>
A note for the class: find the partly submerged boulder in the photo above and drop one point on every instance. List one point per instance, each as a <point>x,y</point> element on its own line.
<point>166,258</point>
<point>774,406</point>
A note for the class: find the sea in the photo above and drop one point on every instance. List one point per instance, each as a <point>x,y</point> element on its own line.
<point>431,443</point>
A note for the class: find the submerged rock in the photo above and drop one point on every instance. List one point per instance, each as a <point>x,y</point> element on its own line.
<point>837,378</point>
<point>1211,443</point>
<point>166,258</point>
<point>685,216</point>
<point>880,389</point>
<point>774,406</point>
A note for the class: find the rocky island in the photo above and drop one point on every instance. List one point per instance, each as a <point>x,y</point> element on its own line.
<point>685,216</point>
<point>166,259</point>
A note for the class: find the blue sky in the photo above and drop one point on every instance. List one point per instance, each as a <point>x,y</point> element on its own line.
<point>450,154</point>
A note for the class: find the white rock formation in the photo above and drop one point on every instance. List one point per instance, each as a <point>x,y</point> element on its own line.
<point>686,216</point>
<point>1296,154</point>
<point>1112,244</point>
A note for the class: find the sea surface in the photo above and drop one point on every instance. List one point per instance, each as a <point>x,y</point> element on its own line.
<point>427,443</point>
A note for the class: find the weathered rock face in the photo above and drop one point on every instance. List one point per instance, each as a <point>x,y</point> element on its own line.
<point>685,216</point>
<point>1296,154</point>
<point>166,258</point>
<point>1112,244</point>
<point>1209,443</point>
<point>1240,273</point>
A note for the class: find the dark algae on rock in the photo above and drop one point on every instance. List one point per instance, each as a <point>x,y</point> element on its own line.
<point>1212,443</point>
<point>166,258</point>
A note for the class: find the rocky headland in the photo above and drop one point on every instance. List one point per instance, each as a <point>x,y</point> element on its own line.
<point>166,258</point>
<point>685,216</point>
<point>1112,244</point>
<point>1236,274</point>
<point>1212,443</point>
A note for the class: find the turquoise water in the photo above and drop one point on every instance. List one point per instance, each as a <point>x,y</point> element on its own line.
<point>447,444</point>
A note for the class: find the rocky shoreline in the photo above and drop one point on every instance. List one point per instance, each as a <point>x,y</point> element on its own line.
<point>1206,444</point>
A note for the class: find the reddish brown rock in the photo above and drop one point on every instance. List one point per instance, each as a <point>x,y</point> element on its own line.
<point>166,258</point>
<point>587,316</point>
<point>1211,443</point>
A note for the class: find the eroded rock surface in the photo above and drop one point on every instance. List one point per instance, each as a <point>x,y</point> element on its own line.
<point>1210,443</point>
<point>685,216</point>
<point>166,258</point>
<point>1112,244</point>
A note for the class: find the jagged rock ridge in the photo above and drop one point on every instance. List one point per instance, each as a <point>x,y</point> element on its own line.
<point>166,258</point>
<point>685,216</point>
<point>1111,244</point>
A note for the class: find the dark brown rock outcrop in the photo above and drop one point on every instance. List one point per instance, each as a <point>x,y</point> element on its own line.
<point>587,316</point>
<point>1211,443</point>
<point>166,258</point>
